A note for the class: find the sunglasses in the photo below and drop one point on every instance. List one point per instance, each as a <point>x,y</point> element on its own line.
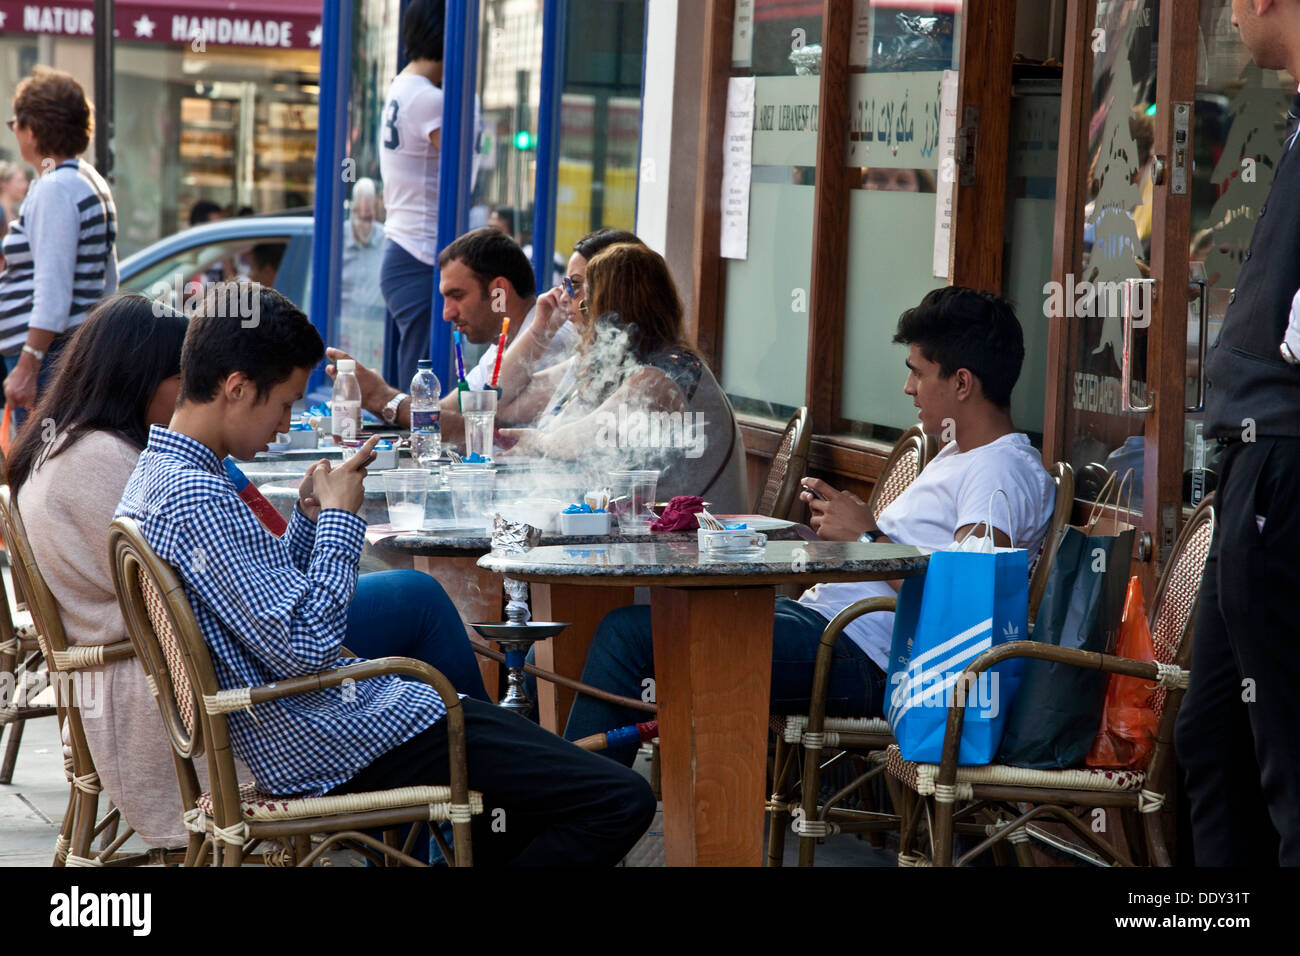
<point>12,123</point>
<point>573,288</point>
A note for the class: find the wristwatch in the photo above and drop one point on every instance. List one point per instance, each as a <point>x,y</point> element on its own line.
<point>389,412</point>
<point>34,353</point>
<point>1288,356</point>
<point>870,537</point>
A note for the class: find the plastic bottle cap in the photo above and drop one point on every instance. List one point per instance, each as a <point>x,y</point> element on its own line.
<point>347,366</point>
<point>424,363</point>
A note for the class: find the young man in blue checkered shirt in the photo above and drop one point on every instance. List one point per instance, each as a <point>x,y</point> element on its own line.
<point>275,608</point>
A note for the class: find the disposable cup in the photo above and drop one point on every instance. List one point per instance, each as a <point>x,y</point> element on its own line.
<point>471,495</point>
<point>406,490</point>
<point>479,411</point>
<point>632,496</point>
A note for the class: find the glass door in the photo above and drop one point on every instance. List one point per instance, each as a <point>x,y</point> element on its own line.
<point>1104,427</point>
<point>1122,281</point>
<point>1240,127</point>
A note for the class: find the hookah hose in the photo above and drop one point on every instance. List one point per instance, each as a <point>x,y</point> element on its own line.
<point>622,737</point>
<point>271,519</point>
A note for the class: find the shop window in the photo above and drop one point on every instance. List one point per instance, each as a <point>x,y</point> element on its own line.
<point>767,291</point>
<point>901,201</point>
<point>600,119</point>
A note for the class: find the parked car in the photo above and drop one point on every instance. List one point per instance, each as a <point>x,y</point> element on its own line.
<point>230,248</point>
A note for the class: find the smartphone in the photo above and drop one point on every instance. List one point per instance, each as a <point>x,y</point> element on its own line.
<point>814,492</point>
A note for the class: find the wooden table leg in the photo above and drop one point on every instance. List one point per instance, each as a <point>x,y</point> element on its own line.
<point>713,671</point>
<point>477,596</point>
<point>583,608</point>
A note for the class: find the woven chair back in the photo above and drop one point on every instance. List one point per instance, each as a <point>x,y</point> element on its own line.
<point>29,581</point>
<point>911,454</point>
<point>163,630</point>
<point>781,486</point>
<point>72,691</point>
<point>1173,608</point>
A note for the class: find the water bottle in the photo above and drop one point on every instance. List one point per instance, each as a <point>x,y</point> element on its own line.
<point>345,405</point>
<point>426,431</point>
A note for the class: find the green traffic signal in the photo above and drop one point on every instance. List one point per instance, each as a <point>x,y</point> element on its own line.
<point>524,140</point>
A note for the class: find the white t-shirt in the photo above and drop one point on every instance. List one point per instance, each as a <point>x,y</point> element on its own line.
<point>952,492</point>
<point>562,345</point>
<point>408,163</point>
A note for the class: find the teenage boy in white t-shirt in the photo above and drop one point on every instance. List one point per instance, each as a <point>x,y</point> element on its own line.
<point>965,350</point>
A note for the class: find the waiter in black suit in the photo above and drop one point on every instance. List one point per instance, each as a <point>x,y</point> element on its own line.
<point>1238,732</point>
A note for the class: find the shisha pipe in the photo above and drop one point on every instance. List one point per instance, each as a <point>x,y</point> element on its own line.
<point>517,633</point>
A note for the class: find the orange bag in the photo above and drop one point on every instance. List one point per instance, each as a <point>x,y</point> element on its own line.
<point>6,437</point>
<point>1128,724</point>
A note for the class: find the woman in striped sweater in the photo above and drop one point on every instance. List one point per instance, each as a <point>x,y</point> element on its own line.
<point>60,254</point>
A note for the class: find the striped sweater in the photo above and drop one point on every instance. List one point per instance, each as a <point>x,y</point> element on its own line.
<point>60,254</point>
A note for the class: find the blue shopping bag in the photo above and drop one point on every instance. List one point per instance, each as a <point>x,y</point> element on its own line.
<point>965,604</point>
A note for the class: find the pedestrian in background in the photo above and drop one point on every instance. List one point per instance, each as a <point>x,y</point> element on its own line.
<point>410,141</point>
<point>13,190</point>
<point>61,253</point>
<point>1238,731</point>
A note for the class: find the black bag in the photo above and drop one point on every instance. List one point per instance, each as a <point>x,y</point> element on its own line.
<point>1056,713</point>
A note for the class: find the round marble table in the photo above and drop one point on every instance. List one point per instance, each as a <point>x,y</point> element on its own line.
<point>450,556</point>
<point>712,623</point>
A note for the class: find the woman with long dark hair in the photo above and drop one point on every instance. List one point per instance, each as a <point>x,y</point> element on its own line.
<point>636,394</point>
<point>120,374</point>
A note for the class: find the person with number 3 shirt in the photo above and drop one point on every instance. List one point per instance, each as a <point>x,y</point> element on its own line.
<point>410,141</point>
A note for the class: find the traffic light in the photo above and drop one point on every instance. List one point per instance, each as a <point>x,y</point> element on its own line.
<point>524,141</point>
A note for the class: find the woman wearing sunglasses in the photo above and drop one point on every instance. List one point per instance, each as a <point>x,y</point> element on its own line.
<point>61,253</point>
<point>636,394</point>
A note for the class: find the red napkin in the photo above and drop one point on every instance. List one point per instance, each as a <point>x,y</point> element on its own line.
<point>680,514</point>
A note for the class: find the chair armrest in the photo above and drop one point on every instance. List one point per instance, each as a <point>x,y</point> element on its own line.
<point>1169,675</point>
<point>826,653</point>
<point>79,656</point>
<point>226,701</point>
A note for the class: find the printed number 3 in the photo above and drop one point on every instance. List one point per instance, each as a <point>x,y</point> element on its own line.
<point>393,141</point>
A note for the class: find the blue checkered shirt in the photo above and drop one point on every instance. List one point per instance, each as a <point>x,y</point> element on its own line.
<point>270,609</point>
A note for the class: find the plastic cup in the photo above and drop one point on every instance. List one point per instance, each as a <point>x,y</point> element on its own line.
<point>471,495</point>
<point>631,499</point>
<point>479,409</point>
<point>406,490</point>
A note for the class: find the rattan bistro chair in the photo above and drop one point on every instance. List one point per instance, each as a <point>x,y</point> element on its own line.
<point>231,821</point>
<point>781,486</point>
<point>1001,803</point>
<point>65,663</point>
<point>912,452</point>
<point>865,738</point>
<point>20,658</point>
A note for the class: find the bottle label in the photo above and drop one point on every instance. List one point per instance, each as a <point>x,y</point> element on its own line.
<point>426,419</point>
<point>345,419</point>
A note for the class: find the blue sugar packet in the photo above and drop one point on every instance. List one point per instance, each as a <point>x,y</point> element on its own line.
<point>736,526</point>
<point>475,459</point>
